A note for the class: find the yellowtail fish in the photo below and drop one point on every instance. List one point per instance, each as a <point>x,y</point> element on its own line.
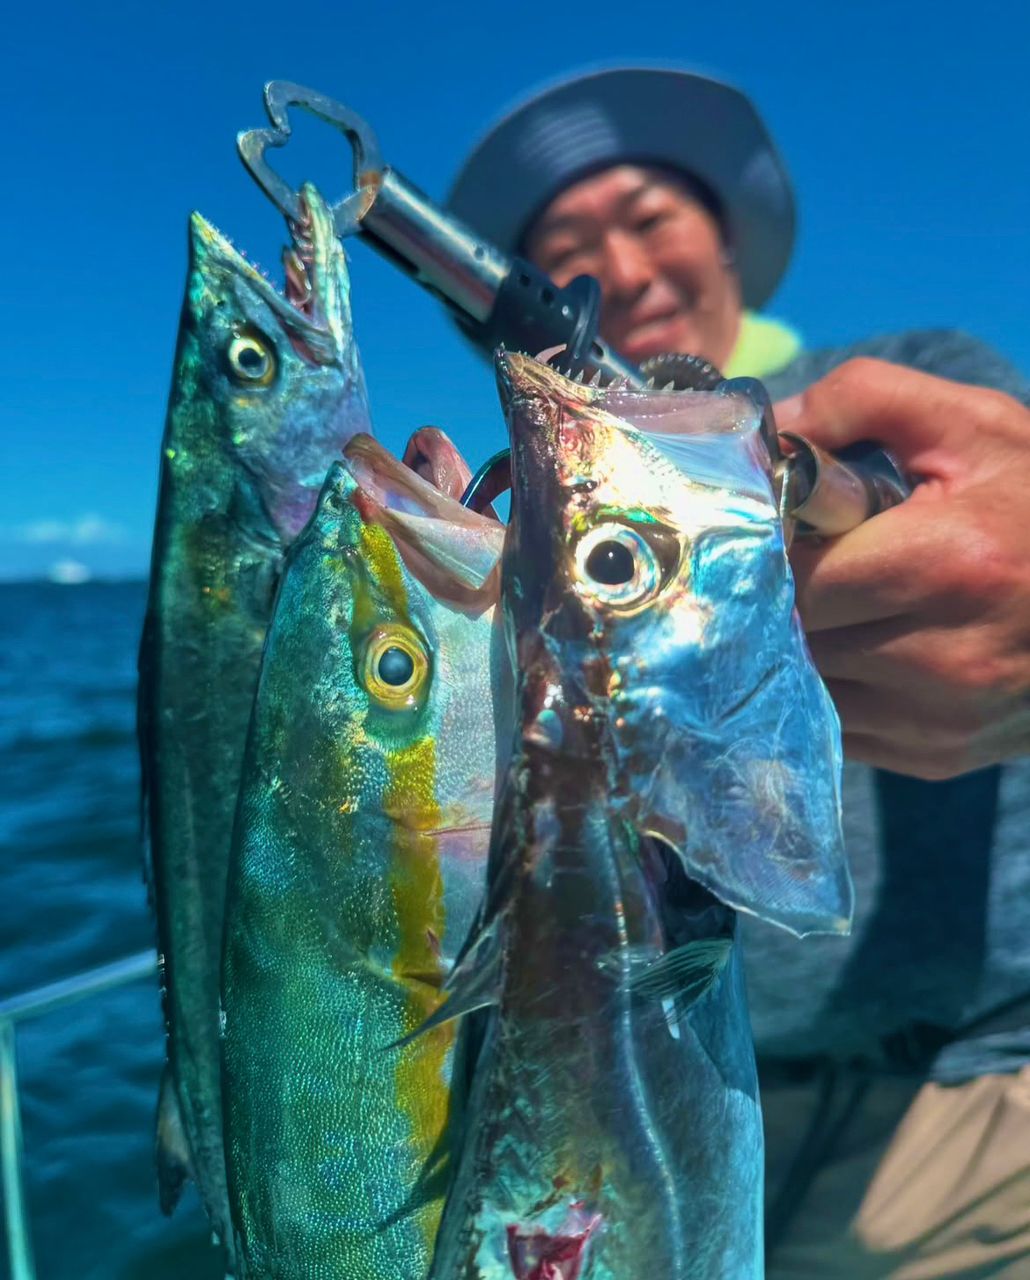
<point>432,455</point>
<point>358,863</point>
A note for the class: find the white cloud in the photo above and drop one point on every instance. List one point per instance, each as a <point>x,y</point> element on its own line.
<point>85,531</point>
<point>42,531</point>
<point>91,529</point>
<point>68,572</point>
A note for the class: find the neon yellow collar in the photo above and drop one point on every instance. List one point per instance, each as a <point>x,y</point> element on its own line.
<point>764,346</point>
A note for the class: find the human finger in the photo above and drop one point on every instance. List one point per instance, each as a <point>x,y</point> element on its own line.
<point>891,653</point>
<point>889,565</point>
<point>918,416</point>
<point>901,717</point>
<point>931,764</point>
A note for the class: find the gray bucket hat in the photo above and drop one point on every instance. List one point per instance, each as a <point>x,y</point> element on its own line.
<point>643,115</point>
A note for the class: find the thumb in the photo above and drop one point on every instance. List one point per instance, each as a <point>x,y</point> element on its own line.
<point>919,417</point>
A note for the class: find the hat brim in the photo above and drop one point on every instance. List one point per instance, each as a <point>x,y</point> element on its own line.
<point>640,115</point>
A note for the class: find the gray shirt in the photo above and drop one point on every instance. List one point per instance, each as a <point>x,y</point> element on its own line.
<point>935,976</point>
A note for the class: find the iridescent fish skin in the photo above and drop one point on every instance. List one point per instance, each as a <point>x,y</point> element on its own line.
<point>265,393</point>
<point>358,863</point>
<point>612,1128</point>
<point>728,743</point>
<point>609,1132</point>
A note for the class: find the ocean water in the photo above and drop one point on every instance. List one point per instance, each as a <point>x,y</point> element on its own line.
<point>71,897</point>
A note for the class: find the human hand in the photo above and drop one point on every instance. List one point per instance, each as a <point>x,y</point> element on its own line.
<point>919,619</point>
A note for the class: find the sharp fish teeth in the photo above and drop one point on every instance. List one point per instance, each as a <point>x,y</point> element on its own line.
<point>669,386</point>
<point>580,375</point>
<point>649,384</point>
<point>595,381</point>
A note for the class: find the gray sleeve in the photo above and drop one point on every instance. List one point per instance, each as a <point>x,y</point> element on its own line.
<point>950,353</point>
<point>947,353</point>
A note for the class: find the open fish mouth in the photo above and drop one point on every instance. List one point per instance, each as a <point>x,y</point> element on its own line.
<point>312,307</point>
<point>305,283</point>
<point>452,550</point>
<point>397,487</point>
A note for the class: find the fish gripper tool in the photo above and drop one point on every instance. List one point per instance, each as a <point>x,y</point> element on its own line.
<point>507,301</point>
<point>497,298</point>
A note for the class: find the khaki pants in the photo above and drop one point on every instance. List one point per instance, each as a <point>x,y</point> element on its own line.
<point>925,1183</point>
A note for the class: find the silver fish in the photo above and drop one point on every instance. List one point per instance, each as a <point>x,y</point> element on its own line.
<point>611,1129</point>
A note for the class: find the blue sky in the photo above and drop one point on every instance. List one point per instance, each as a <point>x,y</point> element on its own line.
<point>905,126</point>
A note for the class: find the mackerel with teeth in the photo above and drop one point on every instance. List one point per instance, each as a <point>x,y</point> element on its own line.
<point>267,389</point>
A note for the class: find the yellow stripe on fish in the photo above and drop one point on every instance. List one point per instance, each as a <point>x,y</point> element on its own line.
<point>417,885</point>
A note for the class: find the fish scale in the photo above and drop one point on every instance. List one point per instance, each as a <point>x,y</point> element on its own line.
<point>344,914</point>
<point>251,421</point>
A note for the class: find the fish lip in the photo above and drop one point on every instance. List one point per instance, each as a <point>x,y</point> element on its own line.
<point>377,471</point>
<point>431,454</point>
<point>311,323</point>
<point>380,476</point>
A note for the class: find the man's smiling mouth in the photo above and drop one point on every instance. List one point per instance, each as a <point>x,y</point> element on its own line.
<point>641,338</point>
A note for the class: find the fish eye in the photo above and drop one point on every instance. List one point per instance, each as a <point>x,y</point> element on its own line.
<point>395,667</point>
<point>617,566</point>
<point>251,359</point>
<point>610,563</point>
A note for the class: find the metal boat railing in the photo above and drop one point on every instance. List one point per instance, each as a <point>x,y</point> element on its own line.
<point>30,1004</point>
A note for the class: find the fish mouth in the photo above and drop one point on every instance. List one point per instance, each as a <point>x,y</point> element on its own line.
<point>304,262</point>
<point>398,488</point>
<point>313,307</point>
<point>526,381</point>
<point>452,550</point>
<point>522,379</point>
<point>431,454</point>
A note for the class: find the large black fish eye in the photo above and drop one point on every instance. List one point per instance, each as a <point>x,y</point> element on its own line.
<point>395,667</point>
<point>616,566</point>
<point>610,563</point>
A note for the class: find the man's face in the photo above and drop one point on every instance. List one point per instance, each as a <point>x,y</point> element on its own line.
<point>659,258</point>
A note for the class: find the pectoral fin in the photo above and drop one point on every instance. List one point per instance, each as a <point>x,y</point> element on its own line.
<point>474,983</point>
<point>685,974</point>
